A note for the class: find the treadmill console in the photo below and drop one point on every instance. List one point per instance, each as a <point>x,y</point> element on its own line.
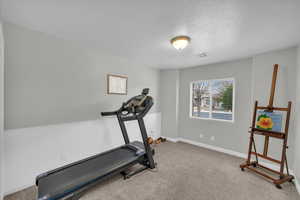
<point>136,106</point>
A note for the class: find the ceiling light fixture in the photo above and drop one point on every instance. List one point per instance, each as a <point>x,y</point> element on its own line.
<point>180,42</point>
<point>202,54</point>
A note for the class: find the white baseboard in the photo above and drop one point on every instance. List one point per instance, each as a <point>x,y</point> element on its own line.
<point>214,148</point>
<point>207,146</point>
<point>231,152</point>
<point>223,150</point>
<point>171,139</point>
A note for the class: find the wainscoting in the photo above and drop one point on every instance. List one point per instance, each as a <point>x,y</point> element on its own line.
<point>31,151</point>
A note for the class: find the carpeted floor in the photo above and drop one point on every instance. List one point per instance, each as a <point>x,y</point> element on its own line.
<point>186,172</point>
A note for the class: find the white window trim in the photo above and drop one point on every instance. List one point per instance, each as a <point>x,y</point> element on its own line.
<point>210,112</point>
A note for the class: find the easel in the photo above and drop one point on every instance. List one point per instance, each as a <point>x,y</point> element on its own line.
<point>255,166</point>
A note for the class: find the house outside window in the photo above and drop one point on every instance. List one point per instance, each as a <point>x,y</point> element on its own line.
<point>212,99</point>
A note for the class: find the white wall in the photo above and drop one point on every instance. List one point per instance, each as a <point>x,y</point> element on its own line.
<point>1,108</point>
<point>31,151</point>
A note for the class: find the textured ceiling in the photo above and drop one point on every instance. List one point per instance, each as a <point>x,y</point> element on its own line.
<point>140,30</point>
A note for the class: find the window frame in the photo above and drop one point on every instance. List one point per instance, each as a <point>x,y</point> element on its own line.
<point>210,109</point>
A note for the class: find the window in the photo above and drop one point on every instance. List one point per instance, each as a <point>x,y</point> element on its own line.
<point>212,99</point>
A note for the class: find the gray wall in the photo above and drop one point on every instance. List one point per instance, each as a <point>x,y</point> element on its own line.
<point>252,82</point>
<point>50,81</point>
<point>227,135</point>
<point>297,138</point>
<point>169,91</point>
<point>1,108</point>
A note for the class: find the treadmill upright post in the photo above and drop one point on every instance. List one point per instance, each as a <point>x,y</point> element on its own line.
<point>123,129</point>
<point>146,144</point>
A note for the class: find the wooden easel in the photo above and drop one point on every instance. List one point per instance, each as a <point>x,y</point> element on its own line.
<point>255,166</point>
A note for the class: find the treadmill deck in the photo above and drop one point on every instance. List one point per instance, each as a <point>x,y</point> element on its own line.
<point>77,175</point>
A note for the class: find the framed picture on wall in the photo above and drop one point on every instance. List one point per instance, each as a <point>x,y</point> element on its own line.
<point>117,84</point>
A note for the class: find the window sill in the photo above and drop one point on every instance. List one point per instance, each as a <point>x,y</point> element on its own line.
<point>221,120</point>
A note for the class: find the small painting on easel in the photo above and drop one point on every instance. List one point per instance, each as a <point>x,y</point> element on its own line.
<point>271,121</point>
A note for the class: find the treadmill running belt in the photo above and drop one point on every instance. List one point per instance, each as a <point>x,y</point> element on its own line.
<point>70,178</point>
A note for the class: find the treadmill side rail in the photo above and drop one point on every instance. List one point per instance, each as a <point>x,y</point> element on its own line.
<point>43,175</point>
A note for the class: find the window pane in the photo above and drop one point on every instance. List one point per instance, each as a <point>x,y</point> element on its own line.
<point>222,99</point>
<point>200,99</point>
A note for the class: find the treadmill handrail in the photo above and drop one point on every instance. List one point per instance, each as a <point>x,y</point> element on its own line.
<point>109,113</point>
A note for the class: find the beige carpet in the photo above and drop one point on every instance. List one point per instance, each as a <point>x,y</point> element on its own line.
<point>186,172</point>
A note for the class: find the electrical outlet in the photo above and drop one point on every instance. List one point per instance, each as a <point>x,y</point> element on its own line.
<point>212,138</point>
<point>201,135</point>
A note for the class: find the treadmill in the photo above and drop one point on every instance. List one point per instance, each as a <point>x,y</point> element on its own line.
<point>73,180</point>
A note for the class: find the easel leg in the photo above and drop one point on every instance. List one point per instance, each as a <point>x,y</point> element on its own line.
<point>248,162</point>
<point>256,157</point>
<point>250,149</point>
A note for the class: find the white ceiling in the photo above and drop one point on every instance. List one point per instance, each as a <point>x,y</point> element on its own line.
<point>140,30</point>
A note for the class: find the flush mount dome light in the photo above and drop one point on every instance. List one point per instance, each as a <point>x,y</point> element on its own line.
<point>180,42</point>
